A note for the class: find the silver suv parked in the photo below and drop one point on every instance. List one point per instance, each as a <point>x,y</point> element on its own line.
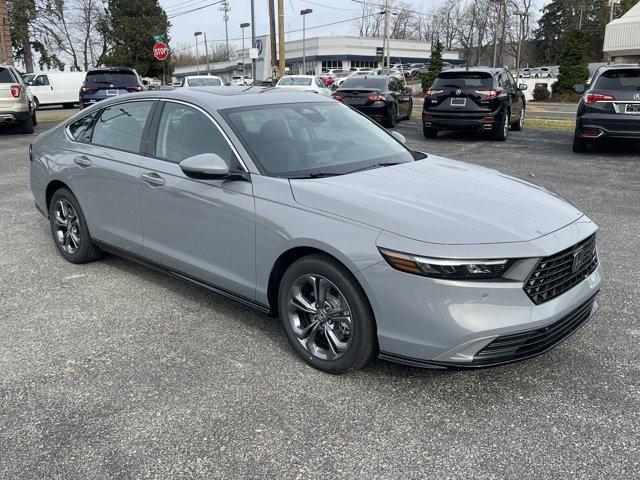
<point>16,102</point>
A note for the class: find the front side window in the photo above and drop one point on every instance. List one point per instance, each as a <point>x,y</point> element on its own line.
<point>41,81</point>
<point>184,132</point>
<point>120,126</point>
<point>80,130</point>
<point>299,139</point>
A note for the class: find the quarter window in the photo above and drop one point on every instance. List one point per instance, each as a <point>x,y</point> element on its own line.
<point>120,126</point>
<point>81,129</point>
<point>184,132</point>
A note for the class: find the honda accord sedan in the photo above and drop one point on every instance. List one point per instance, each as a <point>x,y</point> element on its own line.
<point>302,207</point>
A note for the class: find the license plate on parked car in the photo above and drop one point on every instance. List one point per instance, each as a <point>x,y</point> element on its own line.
<point>112,92</point>
<point>632,108</point>
<point>458,102</point>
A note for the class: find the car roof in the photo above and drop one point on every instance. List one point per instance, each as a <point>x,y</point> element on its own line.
<point>491,70</point>
<point>620,66</point>
<point>299,76</point>
<point>94,69</point>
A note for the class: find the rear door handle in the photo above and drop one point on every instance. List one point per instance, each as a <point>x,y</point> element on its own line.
<point>82,161</point>
<point>152,179</point>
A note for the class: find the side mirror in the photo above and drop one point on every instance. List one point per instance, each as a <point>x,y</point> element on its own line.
<point>205,166</point>
<point>522,87</point>
<point>398,136</point>
<point>580,88</point>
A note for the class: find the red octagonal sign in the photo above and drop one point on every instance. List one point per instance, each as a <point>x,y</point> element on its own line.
<point>160,51</point>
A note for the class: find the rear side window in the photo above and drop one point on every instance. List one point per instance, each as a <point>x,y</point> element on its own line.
<point>5,76</point>
<point>80,130</point>
<point>619,79</point>
<point>117,78</point>
<point>184,132</point>
<point>121,126</point>
<point>463,79</point>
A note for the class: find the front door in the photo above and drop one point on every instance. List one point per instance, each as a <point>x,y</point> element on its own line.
<point>201,228</point>
<point>105,171</point>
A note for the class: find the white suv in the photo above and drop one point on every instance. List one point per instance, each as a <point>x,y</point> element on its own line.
<point>16,101</point>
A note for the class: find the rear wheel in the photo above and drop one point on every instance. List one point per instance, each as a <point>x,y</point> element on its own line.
<point>429,132</point>
<point>33,118</point>
<point>69,229</point>
<point>408,117</point>
<point>517,126</point>
<point>326,315</point>
<point>501,131</point>
<point>67,105</point>
<point>579,144</point>
<point>390,117</point>
<point>27,125</point>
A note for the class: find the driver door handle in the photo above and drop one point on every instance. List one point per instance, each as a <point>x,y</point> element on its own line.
<point>152,179</point>
<point>82,161</point>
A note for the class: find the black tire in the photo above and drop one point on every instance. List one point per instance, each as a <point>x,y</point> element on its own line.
<point>86,250</point>
<point>518,125</point>
<point>579,144</point>
<point>67,105</point>
<point>501,130</point>
<point>34,119</point>
<point>390,117</point>
<point>408,117</point>
<point>27,125</point>
<point>429,132</point>
<point>363,346</point>
<point>37,102</point>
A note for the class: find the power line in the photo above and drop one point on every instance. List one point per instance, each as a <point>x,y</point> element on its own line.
<point>173,15</point>
<point>180,5</point>
<point>329,6</point>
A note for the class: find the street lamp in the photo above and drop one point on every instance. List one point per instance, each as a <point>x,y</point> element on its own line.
<point>523,16</point>
<point>304,13</point>
<point>196,34</point>
<point>243,26</point>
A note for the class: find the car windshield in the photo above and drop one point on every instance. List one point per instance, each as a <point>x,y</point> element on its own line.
<point>313,139</point>
<point>619,79</point>
<point>295,81</point>
<point>112,77</point>
<point>463,79</point>
<point>364,82</point>
<point>204,82</point>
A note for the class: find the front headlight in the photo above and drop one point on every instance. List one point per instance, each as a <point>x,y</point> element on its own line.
<point>452,269</point>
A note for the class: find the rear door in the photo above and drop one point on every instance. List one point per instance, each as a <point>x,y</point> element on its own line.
<point>105,170</point>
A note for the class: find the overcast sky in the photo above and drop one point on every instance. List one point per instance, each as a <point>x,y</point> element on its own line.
<point>210,20</point>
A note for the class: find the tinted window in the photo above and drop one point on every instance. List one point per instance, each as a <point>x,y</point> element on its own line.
<point>463,79</point>
<point>297,81</point>
<point>121,78</point>
<point>121,126</point>
<point>5,76</point>
<point>204,82</point>
<point>377,83</point>
<point>294,139</point>
<point>81,129</point>
<point>184,132</point>
<point>619,79</point>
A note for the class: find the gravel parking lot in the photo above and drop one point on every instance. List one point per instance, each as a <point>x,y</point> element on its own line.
<point>111,370</point>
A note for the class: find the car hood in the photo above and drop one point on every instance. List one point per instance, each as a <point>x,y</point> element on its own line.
<point>439,200</point>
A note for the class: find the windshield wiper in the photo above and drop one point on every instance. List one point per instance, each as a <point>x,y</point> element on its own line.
<point>376,165</point>
<point>317,174</point>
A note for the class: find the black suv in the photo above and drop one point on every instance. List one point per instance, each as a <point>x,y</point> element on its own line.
<point>479,98</point>
<point>609,107</point>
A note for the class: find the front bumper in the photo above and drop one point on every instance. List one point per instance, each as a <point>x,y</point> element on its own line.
<point>436,323</point>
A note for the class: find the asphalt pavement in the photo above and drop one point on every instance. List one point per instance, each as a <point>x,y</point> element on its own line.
<point>111,370</point>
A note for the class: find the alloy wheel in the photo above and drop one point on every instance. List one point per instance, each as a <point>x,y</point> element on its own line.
<point>66,226</point>
<point>521,121</point>
<point>320,317</point>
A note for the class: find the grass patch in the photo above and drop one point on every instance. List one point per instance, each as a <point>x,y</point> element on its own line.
<point>550,124</point>
<point>53,115</point>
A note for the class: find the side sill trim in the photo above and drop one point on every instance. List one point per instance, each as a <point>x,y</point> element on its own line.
<point>42,212</point>
<point>162,268</point>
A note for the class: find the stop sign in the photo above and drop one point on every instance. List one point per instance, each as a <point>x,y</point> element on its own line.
<point>160,51</point>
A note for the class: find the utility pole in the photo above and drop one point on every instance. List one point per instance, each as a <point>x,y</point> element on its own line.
<point>206,52</point>
<point>522,16</point>
<point>253,39</point>
<point>224,7</point>
<point>495,36</point>
<point>385,41</point>
<point>197,34</point>
<point>281,58</point>
<point>304,14</point>
<point>272,39</point>
<point>243,26</point>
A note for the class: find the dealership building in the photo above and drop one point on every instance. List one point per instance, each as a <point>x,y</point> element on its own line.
<point>322,53</point>
<point>622,37</point>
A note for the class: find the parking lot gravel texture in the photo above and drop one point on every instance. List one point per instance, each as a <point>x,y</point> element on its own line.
<point>113,371</point>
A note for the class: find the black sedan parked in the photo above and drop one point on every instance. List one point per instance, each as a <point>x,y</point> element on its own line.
<point>609,108</point>
<point>481,98</point>
<point>381,97</point>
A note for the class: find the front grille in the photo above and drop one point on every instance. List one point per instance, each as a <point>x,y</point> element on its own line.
<point>509,348</point>
<point>562,271</point>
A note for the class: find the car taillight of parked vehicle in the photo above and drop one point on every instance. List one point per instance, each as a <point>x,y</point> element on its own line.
<point>15,91</point>
<point>592,98</point>
<point>87,89</point>
<point>376,97</point>
<point>431,93</point>
<point>489,94</point>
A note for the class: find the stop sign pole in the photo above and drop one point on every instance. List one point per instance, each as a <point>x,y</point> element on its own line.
<point>160,53</point>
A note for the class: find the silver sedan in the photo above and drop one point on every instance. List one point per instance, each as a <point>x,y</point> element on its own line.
<point>303,208</point>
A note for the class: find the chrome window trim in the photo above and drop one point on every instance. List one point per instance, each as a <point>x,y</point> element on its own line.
<point>213,120</point>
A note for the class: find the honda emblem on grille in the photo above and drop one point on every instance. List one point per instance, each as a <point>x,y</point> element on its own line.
<point>577,259</point>
<point>458,92</point>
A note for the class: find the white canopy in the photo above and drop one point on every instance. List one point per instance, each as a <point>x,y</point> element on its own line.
<point>622,36</point>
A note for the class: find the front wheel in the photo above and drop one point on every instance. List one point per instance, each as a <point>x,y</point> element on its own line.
<point>326,315</point>
<point>408,117</point>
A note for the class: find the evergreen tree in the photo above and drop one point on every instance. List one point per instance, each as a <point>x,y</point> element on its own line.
<point>23,13</point>
<point>129,28</point>
<point>435,67</point>
<point>574,68</point>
